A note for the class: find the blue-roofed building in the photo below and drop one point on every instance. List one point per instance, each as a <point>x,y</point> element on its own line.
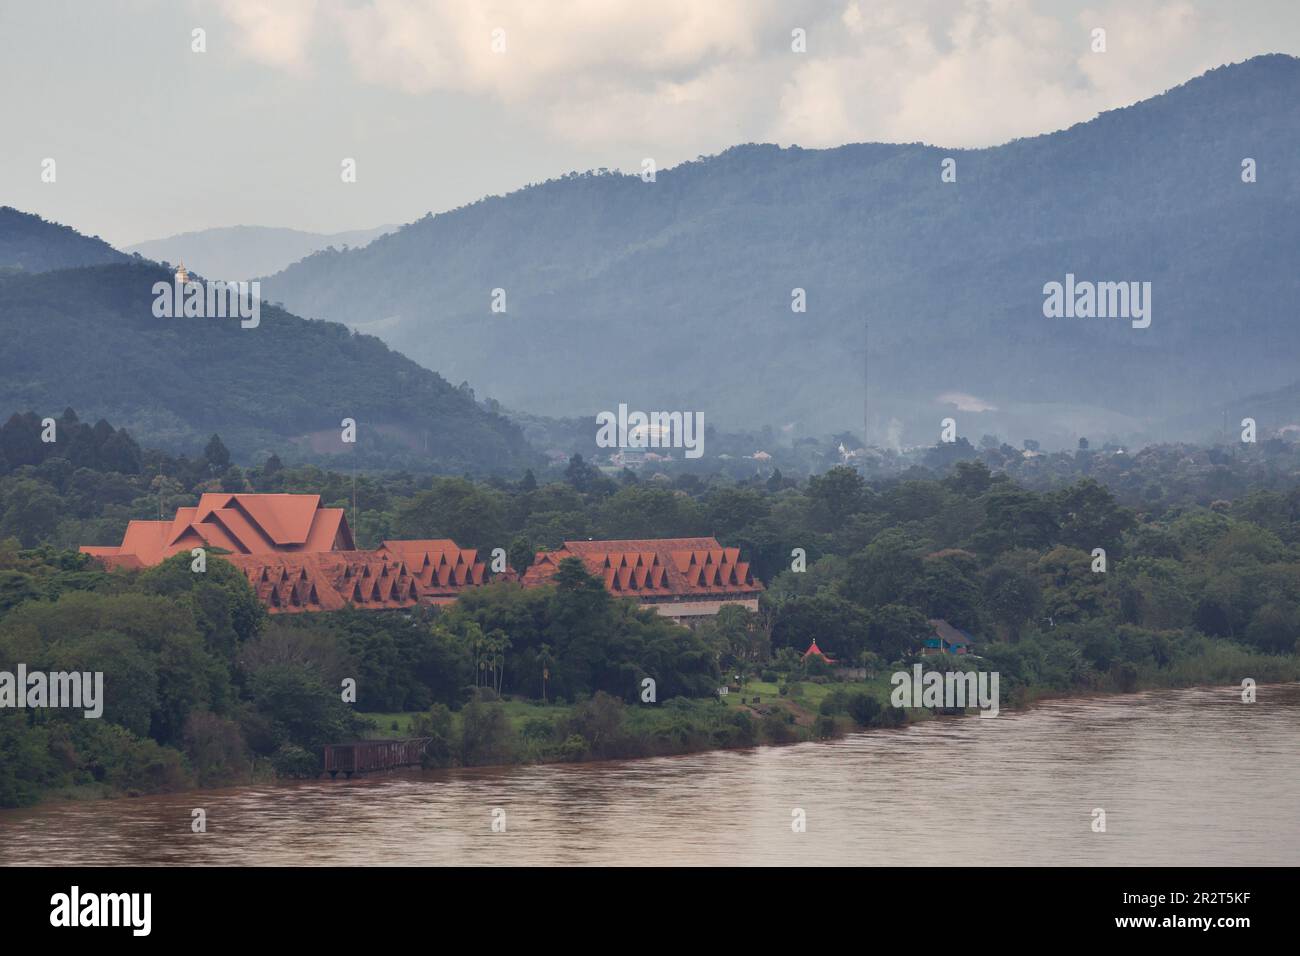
<point>946,639</point>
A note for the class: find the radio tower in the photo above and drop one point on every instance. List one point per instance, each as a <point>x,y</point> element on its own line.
<point>866,418</point>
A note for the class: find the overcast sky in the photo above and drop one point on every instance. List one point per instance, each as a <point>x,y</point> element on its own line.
<point>152,139</point>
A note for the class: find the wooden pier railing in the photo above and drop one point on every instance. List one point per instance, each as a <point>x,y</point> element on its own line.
<point>364,756</point>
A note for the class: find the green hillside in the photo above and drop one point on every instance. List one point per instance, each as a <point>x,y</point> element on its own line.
<point>87,338</point>
<point>32,244</point>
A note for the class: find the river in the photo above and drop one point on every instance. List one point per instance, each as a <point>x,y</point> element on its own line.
<point>1184,777</point>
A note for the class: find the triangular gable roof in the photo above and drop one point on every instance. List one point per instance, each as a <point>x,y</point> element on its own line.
<point>147,540</point>
<point>241,524</point>
<point>949,633</point>
<point>814,649</point>
<point>247,536</point>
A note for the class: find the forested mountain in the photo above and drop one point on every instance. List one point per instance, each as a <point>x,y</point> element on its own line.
<point>676,294</point>
<point>32,244</point>
<point>88,338</point>
<point>246,252</point>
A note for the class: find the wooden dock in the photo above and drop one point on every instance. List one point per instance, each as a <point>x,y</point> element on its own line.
<point>365,756</point>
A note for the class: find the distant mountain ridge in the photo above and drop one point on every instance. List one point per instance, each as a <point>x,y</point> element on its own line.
<point>677,294</point>
<point>246,252</point>
<point>88,338</point>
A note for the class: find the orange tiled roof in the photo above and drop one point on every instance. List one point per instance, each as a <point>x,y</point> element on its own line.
<point>330,580</point>
<point>238,523</point>
<point>299,556</point>
<point>655,567</point>
<point>440,565</point>
<point>397,574</point>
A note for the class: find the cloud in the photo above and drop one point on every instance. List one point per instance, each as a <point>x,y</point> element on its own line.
<point>277,34</point>
<point>683,76</point>
<point>423,45</point>
<point>1145,44</point>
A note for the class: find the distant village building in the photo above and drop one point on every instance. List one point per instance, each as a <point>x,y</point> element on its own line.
<point>848,455</point>
<point>300,556</point>
<point>946,639</point>
<point>628,459</point>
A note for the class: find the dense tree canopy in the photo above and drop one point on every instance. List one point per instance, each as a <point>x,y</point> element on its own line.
<point>203,686</point>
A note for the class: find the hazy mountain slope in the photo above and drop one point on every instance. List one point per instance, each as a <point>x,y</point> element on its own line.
<point>32,244</point>
<point>245,252</point>
<point>676,294</point>
<point>87,338</point>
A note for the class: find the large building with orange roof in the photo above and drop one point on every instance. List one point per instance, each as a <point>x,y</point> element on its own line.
<point>682,578</point>
<point>238,523</point>
<point>300,556</point>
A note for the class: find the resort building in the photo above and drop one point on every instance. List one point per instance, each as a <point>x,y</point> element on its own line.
<point>240,524</point>
<point>682,578</point>
<point>300,556</point>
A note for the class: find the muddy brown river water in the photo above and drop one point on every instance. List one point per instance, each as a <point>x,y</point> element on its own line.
<point>1184,777</point>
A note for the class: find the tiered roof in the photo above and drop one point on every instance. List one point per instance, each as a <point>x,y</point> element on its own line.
<point>329,580</point>
<point>657,567</point>
<point>442,567</point>
<point>238,523</point>
<point>299,556</point>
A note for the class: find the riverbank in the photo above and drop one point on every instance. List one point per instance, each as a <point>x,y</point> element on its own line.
<point>511,731</point>
<point>778,713</point>
<point>757,713</point>
<point>1016,791</point>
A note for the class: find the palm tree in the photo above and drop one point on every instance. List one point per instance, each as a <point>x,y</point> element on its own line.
<point>547,661</point>
<point>497,644</point>
<point>477,646</point>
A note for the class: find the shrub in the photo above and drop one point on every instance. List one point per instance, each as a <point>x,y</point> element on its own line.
<point>484,734</point>
<point>293,761</point>
<point>599,721</point>
<point>538,729</point>
<point>778,727</point>
<point>436,725</point>
<point>216,749</point>
<point>864,709</point>
<point>738,730</point>
<point>574,748</point>
<point>116,757</point>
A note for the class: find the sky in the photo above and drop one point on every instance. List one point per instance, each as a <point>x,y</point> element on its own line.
<point>441,102</point>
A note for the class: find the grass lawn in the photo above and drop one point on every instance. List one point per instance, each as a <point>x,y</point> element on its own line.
<point>383,725</point>
<point>518,712</point>
<point>805,695</point>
